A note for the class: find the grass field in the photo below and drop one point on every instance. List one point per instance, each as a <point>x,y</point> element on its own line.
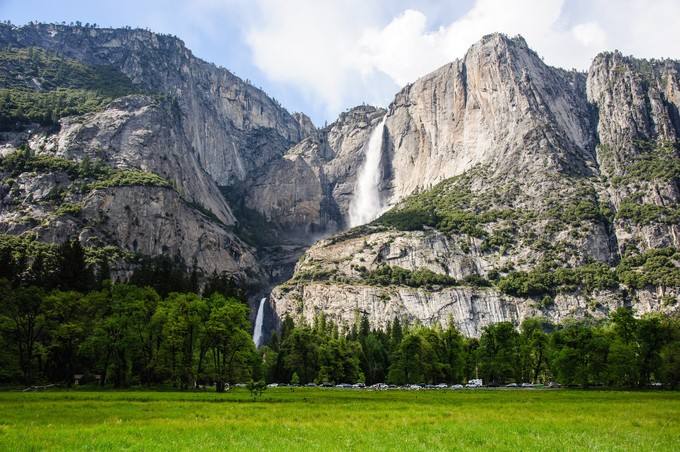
<point>331,419</point>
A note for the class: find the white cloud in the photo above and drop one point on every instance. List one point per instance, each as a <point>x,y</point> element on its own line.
<point>337,53</point>
<point>590,34</point>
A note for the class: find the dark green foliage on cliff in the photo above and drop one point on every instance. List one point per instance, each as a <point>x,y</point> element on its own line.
<point>130,177</point>
<point>38,86</point>
<point>387,275</point>
<point>656,268</point>
<point>644,214</point>
<point>658,161</point>
<point>449,206</point>
<point>548,280</point>
<point>35,68</point>
<point>97,173</point>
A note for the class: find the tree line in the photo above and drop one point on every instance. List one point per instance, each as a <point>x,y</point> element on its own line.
<point>621,351</point>
<point>61,316</point>
<point>124,335</point>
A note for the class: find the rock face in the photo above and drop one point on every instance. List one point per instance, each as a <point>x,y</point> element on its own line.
<point>514,165</point>
<point>638,103</point>
<point>309,190</point>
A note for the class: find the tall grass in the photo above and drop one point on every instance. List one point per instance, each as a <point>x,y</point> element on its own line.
<point>313,419</point>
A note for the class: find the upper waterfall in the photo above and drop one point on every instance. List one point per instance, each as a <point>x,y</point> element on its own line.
<point>366,204</point>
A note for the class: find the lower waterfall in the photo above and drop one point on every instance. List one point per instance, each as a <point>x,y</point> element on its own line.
<point>257,332</point>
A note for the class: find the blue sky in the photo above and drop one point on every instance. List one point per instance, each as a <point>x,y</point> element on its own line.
<point>324,56</point>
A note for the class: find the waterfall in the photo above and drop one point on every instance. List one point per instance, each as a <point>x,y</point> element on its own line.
<point>257,332</point>
<point>366,204</point>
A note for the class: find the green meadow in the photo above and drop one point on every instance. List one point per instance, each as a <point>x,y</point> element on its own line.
<point>334,419</point>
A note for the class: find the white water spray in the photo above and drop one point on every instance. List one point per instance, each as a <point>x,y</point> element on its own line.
<point>366,204</point>
<point>257,333</point>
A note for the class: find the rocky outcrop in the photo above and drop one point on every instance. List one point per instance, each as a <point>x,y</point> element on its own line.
<point>137,132</point>
<point>223,117</point>
<point>500,104</point>
<point>638,128</point>
<point>308,191</point>
<point>469,309</point>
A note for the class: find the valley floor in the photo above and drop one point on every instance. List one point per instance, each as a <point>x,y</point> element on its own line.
<point>332,419</point>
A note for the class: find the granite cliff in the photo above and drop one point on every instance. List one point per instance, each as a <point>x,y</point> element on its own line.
<point>511,188</point>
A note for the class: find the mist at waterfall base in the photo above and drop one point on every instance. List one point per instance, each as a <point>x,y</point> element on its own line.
<point>366,204</point>
<point>259,321</point>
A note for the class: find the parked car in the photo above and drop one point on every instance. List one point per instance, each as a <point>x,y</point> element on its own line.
<point>457,387</point>
<point>273,385</point>
<point>475,383</point>
<point>511,385</point>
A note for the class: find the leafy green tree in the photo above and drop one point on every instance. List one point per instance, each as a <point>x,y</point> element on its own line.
<point>499,353</point>
<point>301,350</point>
<point>116,345</point>
<point>184,320</point>
<point>622,363</point>
<point>579,353</point>
<point>670,354</point>
<point>533,349</point>
<point>652,335</point>
<point>24,320</point>
<point>412,363</point>
<point>453,356</point>
<point>339,361</point>
<point>66,331</point>
<point>232,350</point>
<point>471,363</point>
<point>375,359</point>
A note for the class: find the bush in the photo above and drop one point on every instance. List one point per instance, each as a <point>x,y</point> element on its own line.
<point>449,206</point>
<point>645,214</point>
